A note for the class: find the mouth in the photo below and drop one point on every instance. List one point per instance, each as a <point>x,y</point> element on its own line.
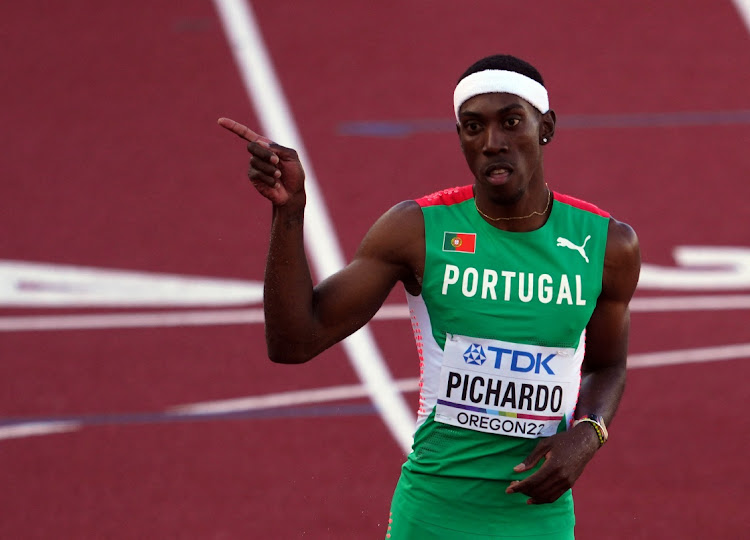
<point>498,173</point>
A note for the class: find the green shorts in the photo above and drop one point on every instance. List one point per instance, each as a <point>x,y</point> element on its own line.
<point>438,508</point>
<point>407,528</point>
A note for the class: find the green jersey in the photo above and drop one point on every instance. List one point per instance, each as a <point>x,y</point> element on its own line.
<point>500,332</point>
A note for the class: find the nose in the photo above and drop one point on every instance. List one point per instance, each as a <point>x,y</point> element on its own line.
<point>495,140</point>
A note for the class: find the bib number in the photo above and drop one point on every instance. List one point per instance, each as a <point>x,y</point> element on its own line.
<point>507,388</point>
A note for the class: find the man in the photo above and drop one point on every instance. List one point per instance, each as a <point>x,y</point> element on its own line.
<point>506,281</point>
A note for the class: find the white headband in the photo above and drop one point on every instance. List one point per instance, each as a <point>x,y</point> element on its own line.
<point>499,81</point>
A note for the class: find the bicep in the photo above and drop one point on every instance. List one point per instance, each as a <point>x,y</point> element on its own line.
<point>344,302</point>
<point>389,253</point>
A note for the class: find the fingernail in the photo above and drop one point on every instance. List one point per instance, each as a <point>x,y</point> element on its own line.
<point>520,467</point>
<point>274,159</point>
<point>277,174</point>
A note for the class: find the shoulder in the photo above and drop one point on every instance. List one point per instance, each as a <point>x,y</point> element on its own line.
<point>622,261</point>
<point>397,239</point>
<point>622,242</point>
<point>405,217</point>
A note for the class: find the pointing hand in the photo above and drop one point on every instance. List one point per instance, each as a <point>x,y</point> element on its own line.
<point>274,170</point>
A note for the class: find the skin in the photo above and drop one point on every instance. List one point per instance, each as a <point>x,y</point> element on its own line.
<point>501,136</point>
<point>502,132</point>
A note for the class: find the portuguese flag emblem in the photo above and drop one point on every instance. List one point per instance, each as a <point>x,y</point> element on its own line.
<point>463,242</point>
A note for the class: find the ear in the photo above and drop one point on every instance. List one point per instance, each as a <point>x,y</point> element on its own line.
<point>547,127</point>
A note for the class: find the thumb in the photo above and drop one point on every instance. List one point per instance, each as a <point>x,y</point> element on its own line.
<point>284,153</point>
<point>533,458</point>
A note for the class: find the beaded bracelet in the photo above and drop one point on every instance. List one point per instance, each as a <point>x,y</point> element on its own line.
<point>597,428</point>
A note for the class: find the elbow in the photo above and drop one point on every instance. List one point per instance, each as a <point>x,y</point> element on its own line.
<point>287,353</point>
<point>285,358</point>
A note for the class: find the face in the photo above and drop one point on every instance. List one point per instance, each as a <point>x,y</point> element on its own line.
<point>501,137</point>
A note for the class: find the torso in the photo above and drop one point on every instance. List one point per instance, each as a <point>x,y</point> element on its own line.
<point>498,309</point>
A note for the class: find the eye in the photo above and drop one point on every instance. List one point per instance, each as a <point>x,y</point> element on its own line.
<point>472,127</point>
<point>512,122</point>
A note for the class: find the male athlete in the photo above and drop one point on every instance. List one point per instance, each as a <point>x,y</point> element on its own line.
<point>519,299</point>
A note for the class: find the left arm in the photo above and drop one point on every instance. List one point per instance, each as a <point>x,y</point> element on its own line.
<point>604,365</point>
<point>603,375</point>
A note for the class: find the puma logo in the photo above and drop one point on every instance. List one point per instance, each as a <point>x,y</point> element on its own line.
<point>564,242</point>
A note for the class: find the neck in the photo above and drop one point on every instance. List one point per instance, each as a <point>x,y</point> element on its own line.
<point>528,213</point>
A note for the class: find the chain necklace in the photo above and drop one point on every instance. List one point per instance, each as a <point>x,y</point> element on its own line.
<point>549,200</point>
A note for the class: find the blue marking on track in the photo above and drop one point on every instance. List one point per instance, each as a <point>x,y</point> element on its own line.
<point>322,411</point>
<point>407,128</point>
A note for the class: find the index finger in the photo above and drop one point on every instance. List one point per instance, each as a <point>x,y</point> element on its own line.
<point>243,131</point>
<point>530,482</point>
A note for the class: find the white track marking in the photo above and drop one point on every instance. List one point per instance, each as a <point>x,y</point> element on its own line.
<point>717,302</point>
<point>101,321</point>
<point>700,268</point>
<point>352,391</point>
<point>30,429</point>
<point>287,399</point>
<point>29,284</point>
<point>131,320</point>
<point>689,356</point>
<point>743,6</point>
<point>34,284</point>
<point>320,236</point>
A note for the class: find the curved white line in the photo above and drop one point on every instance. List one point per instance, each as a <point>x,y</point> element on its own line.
<point>31,429</point>
<point>335,393</point>
<point>326,256</point>
<point>743,6</point>
<point>25,323</point>
<point>354,391</point>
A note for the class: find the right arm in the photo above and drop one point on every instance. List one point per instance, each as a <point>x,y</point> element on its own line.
<point>302,320</point>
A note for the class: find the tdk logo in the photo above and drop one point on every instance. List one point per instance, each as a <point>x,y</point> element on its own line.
<point>522,361</point>
<point>475,355</point>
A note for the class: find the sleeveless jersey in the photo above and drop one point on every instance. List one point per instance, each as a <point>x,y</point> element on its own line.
<point>500,332</point>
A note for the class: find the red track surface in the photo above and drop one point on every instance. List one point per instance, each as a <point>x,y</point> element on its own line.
<point>111,158</point>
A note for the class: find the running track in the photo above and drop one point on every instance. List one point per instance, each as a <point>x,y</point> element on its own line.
<point>112,161</point>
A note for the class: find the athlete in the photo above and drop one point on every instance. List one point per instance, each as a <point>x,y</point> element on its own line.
<point>519,300</point>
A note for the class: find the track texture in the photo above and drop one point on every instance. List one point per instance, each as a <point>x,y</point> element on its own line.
<point>111,158</point>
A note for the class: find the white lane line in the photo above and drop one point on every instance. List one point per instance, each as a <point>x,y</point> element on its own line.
<point>287,399</point>
<point>743,6</point>
<point>37,285</point>
<point>30,429</point>
<point>265,93</point>
<point>352,391</point>
<point>100,321</point>
<point>716,302</point>
<point>255,315</point>
<point>689,356</point>
<point>131,320</point>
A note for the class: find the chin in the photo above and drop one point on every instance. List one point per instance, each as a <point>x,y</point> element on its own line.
<point>508,192</point>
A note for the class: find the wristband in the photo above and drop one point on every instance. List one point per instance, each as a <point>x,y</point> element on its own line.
<point>597,422</point>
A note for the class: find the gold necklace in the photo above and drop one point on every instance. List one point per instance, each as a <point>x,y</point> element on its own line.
<point>549,199</point>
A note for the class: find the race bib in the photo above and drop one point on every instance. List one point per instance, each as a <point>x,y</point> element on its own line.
<point>507,388</point>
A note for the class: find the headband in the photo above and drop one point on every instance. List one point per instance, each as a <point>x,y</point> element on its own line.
<point>499,81</point>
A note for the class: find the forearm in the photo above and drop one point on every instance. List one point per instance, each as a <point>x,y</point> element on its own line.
<point>601,391</point>
<point>288,289</point>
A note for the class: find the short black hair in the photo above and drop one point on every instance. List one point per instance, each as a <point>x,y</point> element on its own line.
<point>504,62</point>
